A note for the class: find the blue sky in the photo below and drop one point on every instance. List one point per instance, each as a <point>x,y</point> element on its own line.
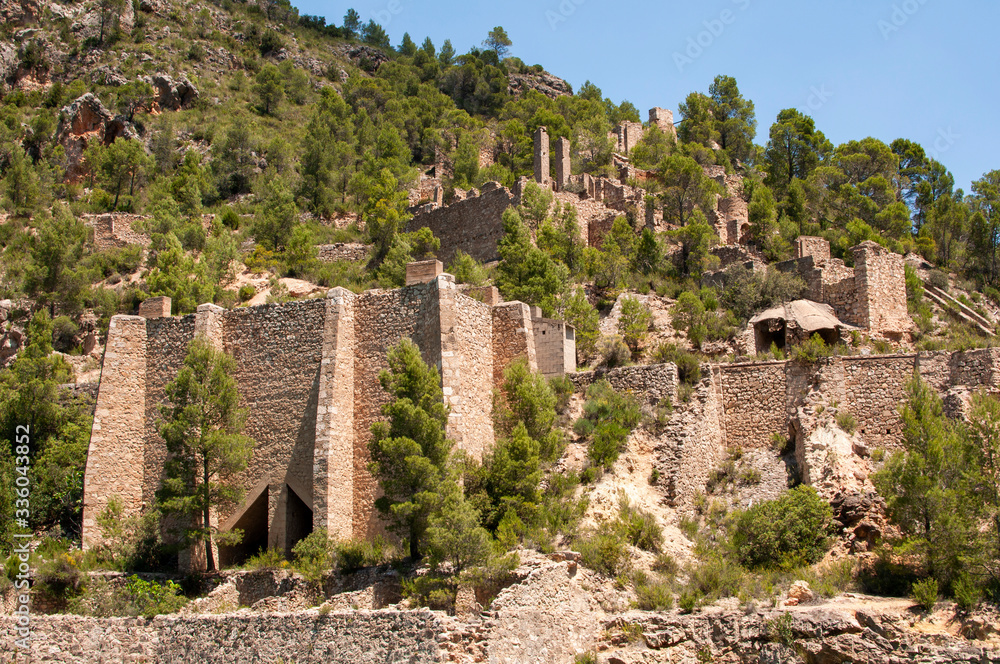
<point>919,69</point>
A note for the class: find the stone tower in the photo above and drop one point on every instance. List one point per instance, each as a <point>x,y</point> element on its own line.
<point>664,119</point>
<point>542,156</point>
<point>563,163</point>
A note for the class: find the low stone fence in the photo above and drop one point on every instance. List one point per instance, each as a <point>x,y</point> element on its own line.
<point>348,637</point>
<point>653,381</point>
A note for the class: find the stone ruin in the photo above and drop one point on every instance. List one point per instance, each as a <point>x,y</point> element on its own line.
<point>871,295</point>
<point>309,371</point>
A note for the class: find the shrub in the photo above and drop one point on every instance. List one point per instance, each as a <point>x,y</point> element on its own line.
<point>784,532</point>
<point>612,352</point>
<point>634,324</point>
<point>640,527</point>
<point>967,594</point>
<point>846,421</point>
<point>604,551</point>
<point>612,417</point>
<point>247,292</point>
<point>265,560</point>
<point>779,629</point>
<point>688,601</point>
<point>135,598</point>
<point>938,279</point>
<point>353,555</point>
<point>312,556</point>
<point>60,577</point>
<point>655,595</point>
<point>716,577</point>
<point>810,351</point>
<point>585,658</point>
<point>433,591</point>
<point>688,363</point>
<point>925,593</point>
<point>467,270</point>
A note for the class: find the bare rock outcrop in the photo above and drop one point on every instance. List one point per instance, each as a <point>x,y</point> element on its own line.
<point>170,94</point>
<point>544,82</point>
<point>83,120</point>
<point>19,12</point>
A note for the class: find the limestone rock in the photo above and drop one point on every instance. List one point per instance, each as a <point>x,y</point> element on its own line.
<point>19,12</point>
<point>800,593</point>
<point>83,119</point>
<point>170,94</point>
<point>544,82</point>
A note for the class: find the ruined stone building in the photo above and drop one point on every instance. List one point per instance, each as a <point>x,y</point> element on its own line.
<point>308,372</point>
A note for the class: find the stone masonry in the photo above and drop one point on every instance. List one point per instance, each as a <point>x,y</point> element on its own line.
<point>748,405</point>
<point>308,371</point>
<point>871,295</point>
<point>542,156</point>
<point>563,163</point>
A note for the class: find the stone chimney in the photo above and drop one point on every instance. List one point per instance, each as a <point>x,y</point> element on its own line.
<point>563,163</point>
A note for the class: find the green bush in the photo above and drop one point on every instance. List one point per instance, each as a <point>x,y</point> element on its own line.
<point>612,417</point>
<point>265,560</point>
<point>640,527</point>
<point>688,601</point>
<point>353,555</point>
<point>846,421</point>
<point>246,292</point>
<point>925,593</point>
<point>604,551</point>
<point>779,629</point>
<point>654,595</point>
<point>613,352</point>
<point>790,530</point>
<point>716,577</point>
<point>136,597</point>
<point>60,577</point>
<point>810,351</point>
<point>967,594</point>
<point>688,363</point>
<point>312,556</point>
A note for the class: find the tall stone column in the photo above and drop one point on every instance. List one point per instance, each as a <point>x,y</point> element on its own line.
<point>563,163</point>
<point>542,156</point>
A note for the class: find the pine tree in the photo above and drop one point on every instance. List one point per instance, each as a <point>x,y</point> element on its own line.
<point>201,425</point>
<point>409,450</point>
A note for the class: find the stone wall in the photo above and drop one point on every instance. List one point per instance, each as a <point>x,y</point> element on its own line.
<point>753,401</point>
<point>874,392</point>
<point>352,637</point>
<point>115,455</point>
<point>467,369</point>
<point>474,225</point>
<point>342,251</point>
<point>650,382</point>
<point>513,337</point>
<point>881,285</point>
<point>555,346</point>
<point>114,230</point>
<point>817,247</point>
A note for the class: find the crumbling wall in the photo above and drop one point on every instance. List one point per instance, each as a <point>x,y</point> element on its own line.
<point>513,337</point>
<point>808,245</point>
<point>753,398</point>
<point>342,251</point>
<point>649,382</point>
<point>881,287</point>
<point>875,388</point>
<point>114,230</point>
<point>474,225</point>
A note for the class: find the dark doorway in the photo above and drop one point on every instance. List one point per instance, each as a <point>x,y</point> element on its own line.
<point>768,332</point>
<point>253,523</point>
<point>298,520</point>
